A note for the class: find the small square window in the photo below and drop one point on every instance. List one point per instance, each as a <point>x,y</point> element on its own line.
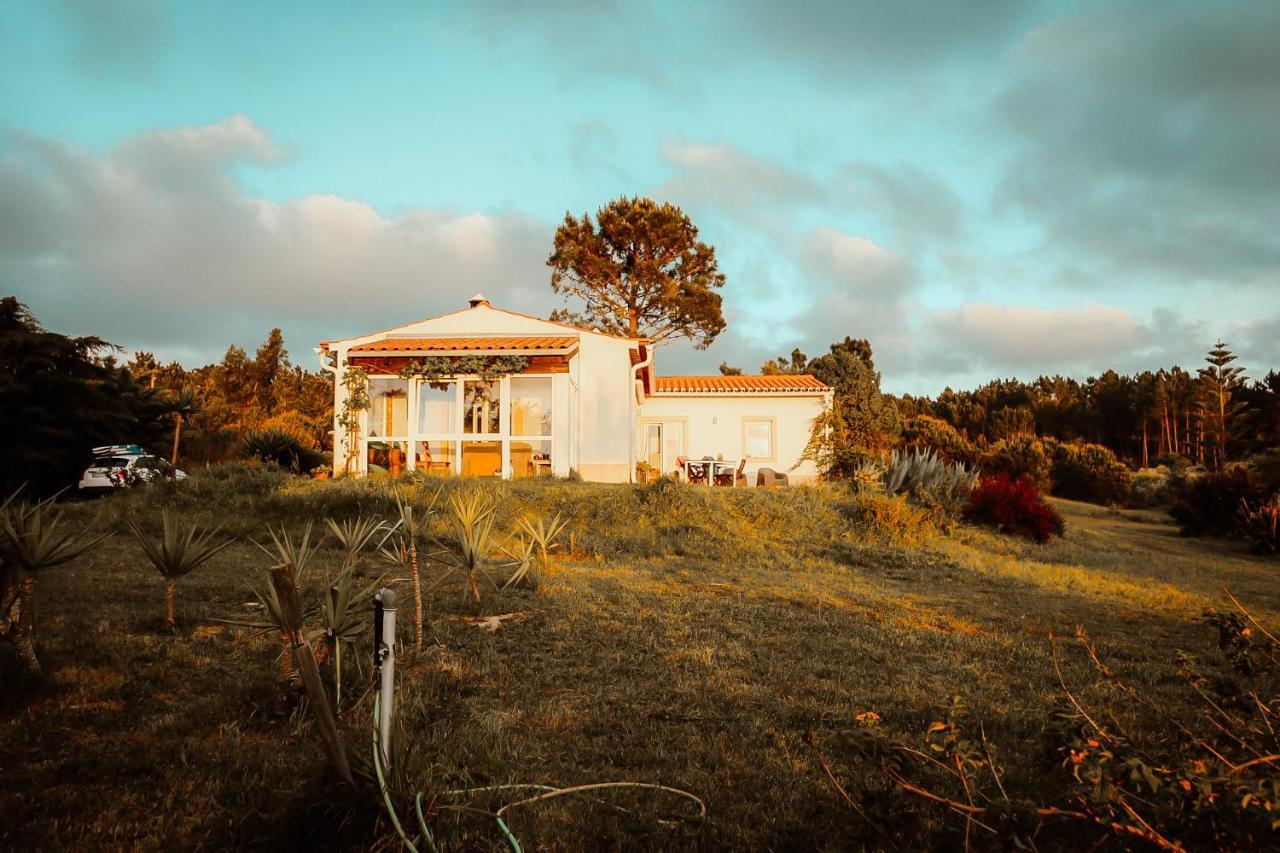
<point>757,438</point>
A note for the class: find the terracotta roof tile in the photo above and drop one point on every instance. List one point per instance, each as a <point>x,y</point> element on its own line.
<point>516,344</point>
<point>737,384</point>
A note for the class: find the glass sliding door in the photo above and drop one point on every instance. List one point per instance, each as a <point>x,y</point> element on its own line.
<point>464,426</point>
<point>387,426</point>
<point>530,428</point>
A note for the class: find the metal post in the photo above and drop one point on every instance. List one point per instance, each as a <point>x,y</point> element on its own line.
<point>384,651</point>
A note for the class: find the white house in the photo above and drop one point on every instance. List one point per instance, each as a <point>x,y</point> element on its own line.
<point>581,400</point>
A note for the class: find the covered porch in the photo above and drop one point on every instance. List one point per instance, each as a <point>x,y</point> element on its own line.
<point>465,424</point>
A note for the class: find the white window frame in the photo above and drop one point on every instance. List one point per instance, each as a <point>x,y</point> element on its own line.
<point>773,437</point>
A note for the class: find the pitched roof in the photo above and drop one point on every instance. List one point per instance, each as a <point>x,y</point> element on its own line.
<point>783,382</point>
<point>464,344</point>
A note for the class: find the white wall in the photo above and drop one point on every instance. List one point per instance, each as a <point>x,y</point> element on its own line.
<point>713,427</point>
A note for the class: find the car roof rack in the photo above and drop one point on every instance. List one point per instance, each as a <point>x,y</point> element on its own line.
<point>118,450</point>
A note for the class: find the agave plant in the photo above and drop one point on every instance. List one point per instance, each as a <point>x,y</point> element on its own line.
<point>471,532</point>
<point>343,620</point>
<point>178,552</point>
<point>536,543</point>
<point>32,539</point>
<point>357,535</point>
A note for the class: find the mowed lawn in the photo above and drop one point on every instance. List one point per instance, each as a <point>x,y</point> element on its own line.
<point>682,668</point>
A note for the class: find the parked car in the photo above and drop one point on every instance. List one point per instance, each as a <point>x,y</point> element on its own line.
<point>121,466</point>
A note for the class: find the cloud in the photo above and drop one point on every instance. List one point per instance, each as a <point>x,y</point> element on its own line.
<point>154,243</point>
<point>116,38</point>
<point>601,39</point>
<point>872,41</point>
<point>726,178</point>
<point>1013,337</point>
<point>1144,145</point>
<point>916,203</point>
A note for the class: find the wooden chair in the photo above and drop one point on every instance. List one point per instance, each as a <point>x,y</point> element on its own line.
<point>736,477</point>
<point>695,472</point>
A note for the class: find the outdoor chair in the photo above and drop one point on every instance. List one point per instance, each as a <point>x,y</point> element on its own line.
<point>695,472</point>
<point>767,478</point>
<point>733,478</point>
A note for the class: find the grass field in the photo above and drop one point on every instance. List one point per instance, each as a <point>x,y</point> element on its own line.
<point>691,638</point>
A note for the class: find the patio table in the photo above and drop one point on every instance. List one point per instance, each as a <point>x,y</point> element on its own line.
<point>715,465</point>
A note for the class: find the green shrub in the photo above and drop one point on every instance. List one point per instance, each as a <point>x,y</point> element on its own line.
<point>1260,524</point>
<point>1021,458</point>
<point>1210,504</point>
<point>1089,472</point>
<point>281,448</point>
<point>1152,487</point>
<point>892,520</point>
<point>923,432</point>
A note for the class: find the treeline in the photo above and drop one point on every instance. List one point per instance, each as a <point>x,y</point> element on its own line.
<point>227,400</point>
<point>61,396</point>
<point>1208,418</point>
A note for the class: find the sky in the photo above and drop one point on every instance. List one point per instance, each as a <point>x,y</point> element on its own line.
<point>986,189</point>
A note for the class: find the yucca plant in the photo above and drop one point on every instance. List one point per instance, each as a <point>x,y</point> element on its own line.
<point>32,540</point>
<point>358,535</point>
<point>344,621</point>
<point>178,552</point>
<point>295,554</point>
<point>471,534</point>
<point>536,543</point>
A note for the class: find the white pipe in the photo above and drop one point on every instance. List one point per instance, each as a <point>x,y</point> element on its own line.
<point>633,404</point>
<point>386,599</point>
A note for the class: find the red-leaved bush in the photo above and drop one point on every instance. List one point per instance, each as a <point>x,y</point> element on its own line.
<point>1014,506</point>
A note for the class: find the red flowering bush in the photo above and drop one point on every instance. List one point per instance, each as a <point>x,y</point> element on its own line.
<point>1014,506</point>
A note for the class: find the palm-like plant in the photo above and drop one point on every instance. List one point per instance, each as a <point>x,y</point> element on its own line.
<point>471,532</point>
<point>295,554</point>
<point>357,535</point>
<point>182,407</point>
<point>411,526</point>
<point>177,553</point>
<point>536,543</point>
<point>33,539</point>
<point>343,621</point>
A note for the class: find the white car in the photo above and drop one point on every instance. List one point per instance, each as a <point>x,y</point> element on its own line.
<point>122,466</point>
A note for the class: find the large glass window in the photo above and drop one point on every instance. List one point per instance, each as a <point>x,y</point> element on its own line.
<point>530,458</point>
<point>435,457</point>
<point>437,403</point>
<point>385,457</point>
<point>389,409</point>
<point>530,405</point>
<point>481,407</point>
<point>482,458</point>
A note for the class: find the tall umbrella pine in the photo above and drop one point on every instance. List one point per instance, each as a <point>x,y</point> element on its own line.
<point>32,540</point>
<point>178,552</point>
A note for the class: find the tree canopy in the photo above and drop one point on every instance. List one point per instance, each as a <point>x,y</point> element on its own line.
<point>59,397</point>
<point>639,270</point>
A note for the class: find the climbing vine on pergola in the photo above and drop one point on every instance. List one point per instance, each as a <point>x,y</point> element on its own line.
<point>437,370</point>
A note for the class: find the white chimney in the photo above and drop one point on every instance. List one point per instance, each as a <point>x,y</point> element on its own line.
<point>477,300</point>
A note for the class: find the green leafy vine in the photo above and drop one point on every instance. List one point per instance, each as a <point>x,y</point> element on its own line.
<point>439,369</point>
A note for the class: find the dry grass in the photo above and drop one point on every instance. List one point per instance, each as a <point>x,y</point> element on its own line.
<point>691,639</point>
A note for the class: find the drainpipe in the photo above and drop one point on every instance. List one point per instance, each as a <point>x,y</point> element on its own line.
<point>633,404</point>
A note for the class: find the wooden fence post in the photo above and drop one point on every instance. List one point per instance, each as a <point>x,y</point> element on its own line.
<point>304,659</point>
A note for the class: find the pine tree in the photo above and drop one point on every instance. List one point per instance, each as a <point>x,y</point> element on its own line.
<point>1218,384</point>
<point>640,271</point>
